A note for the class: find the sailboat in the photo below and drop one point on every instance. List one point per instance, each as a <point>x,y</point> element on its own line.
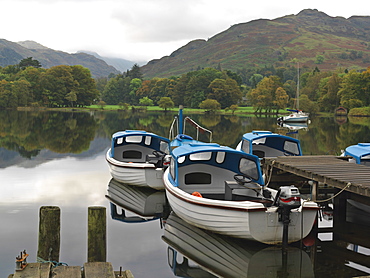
<point>296,115</point>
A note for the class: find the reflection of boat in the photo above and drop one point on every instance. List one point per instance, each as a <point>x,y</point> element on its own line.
<point>223,256</point>
<point>268,144</point>
<point>136,157</point>
<point>221,189</point>
<point>292,126</point>
<point>359,152</point>
<point>295,116</point>
<point>146,202</point>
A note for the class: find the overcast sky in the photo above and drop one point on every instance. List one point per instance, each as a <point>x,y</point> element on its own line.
<point>142,30</point>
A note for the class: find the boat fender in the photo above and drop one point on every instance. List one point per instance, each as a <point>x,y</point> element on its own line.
<point>197,194</point>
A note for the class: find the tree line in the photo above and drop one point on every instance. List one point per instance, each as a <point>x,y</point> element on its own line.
<point>267,89</point>
<point>28,84</point>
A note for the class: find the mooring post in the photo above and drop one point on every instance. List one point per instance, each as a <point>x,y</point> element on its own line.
<point>49,233</point>
<point>97,238</point>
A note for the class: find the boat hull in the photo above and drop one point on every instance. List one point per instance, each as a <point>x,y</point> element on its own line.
<point>240,219</point>
<point>139,174</point>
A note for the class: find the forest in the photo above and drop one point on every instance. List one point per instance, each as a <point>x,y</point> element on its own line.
<point>267,89</point>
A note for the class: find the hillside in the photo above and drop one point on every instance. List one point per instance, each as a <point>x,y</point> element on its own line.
<point>12,53</point>
<point>341,42</point>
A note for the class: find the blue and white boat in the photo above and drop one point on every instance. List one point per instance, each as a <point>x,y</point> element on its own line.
<point>359,152</point>
<point>137,157</point>
<point>220,189</point>
<point>268,144</point>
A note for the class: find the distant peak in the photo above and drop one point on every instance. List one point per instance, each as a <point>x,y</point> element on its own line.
<point>310,12</point>
<point>32,45</point>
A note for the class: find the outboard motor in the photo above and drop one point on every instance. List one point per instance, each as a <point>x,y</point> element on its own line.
<point>287,198</point>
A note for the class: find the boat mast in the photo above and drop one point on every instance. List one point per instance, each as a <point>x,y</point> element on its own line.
<point>297,95</point>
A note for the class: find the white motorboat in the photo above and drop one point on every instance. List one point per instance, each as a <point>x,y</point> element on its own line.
<point>220,189</point>
<point>137,157</point>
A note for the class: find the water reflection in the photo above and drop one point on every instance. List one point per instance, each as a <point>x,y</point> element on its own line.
<point>29,133</point>
<point>147,203</point>
<point>41,165</point>
<point>228,257</point>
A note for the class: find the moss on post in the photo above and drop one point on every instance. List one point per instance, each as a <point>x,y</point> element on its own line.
<point>97,238</point>
<point>49,233</point>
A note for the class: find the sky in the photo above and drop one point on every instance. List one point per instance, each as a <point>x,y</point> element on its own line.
<point>143,30</point>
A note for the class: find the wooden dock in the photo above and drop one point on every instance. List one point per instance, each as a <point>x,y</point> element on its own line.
<point>90,270</point>
<point>327,169</point>
<point>49,239</point>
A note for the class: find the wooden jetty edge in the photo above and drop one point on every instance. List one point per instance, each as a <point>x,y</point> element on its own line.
<point>49,246</point>
<point>327,169</point>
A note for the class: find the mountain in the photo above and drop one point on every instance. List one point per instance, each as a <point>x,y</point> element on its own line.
<point>120,64</point>
<point>12,53</point>
<point>311,36</point>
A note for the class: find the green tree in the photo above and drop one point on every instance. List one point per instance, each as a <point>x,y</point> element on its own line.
<point>135,84</point>
<point>355,86</point>
<point>319,59</point>
<point>225,91</point>
<point>29,62</point>
<point>135,72</point>
<point>145,101</point>
<point>210,105</point>
<point>165,103</point>
<point>84,86</point>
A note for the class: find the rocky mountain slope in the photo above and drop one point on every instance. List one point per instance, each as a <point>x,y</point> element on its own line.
<point>311,36</point>
<point>12,53</point>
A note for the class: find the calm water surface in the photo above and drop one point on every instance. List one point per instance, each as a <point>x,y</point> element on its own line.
<point>56,158</point>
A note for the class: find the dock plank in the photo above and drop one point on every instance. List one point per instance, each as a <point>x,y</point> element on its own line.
<point>98,269</point>
<point>67,272</point>
<point>33,270</point>
<point>327,169</point>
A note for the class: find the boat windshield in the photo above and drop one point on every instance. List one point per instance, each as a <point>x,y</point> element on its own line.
<point>249,168</point>
<point>291,147</point>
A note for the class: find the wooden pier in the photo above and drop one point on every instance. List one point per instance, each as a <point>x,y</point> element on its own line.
<point>49,247</point>
<point>326,169</point>
<point>90,270</point>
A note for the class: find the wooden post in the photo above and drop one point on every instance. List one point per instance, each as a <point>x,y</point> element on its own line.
<point>97,238</point>
<point>49,233</point>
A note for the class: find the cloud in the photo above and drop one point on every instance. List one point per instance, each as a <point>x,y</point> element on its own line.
<point>164,20</point>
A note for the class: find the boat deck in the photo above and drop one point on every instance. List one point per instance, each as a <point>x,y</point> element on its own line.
<point>331,170</point>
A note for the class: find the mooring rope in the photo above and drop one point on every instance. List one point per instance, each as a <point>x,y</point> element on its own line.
<point>54,263</point>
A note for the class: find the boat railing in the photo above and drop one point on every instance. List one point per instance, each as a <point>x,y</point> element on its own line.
<point>174,129</point>
<point>199,128</point>
<point>173,132</point>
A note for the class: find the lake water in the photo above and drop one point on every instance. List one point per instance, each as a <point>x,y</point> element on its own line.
<point>58,159</point>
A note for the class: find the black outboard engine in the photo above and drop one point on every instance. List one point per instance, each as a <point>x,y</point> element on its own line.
<point>287,198</point>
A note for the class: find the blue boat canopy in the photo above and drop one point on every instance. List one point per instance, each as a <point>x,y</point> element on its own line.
<point>359,151</point>
<point>220,156</point>
<point>273,140</point>
<point>126,133</point>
